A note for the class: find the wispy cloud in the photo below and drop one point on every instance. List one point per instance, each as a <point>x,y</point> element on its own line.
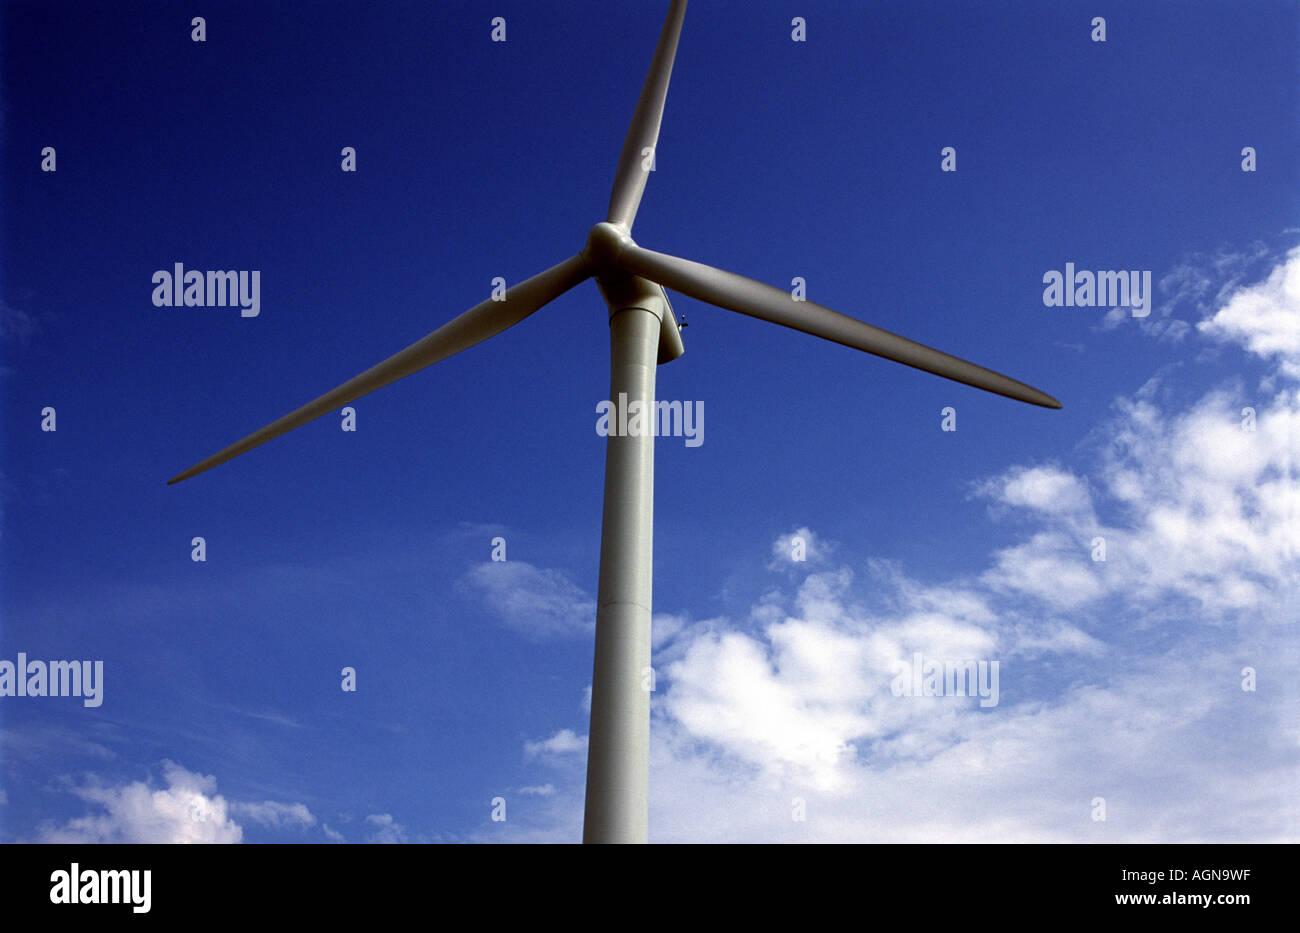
<point>16,325</point>
<point>386,829</point>
<point>1194,288</point>
<point>535,602</point>
<point>275,814</point>
<point>39,744</point>
<point>564,742</point>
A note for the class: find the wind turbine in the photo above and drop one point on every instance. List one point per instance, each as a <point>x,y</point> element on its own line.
<point>643,333</point>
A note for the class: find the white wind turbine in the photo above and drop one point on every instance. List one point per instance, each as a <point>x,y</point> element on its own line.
<point>643,333</point>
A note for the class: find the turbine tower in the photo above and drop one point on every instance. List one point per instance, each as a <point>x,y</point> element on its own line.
<point>643,334</point>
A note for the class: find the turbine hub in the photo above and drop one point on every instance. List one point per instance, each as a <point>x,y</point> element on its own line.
<point>605,242</point>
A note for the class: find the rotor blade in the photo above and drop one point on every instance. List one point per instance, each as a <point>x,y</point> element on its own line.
<point>630,178</point>
<point>474,326</point>
<point>737,293</point>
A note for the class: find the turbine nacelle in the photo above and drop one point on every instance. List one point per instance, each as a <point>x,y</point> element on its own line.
<point>605,244</point>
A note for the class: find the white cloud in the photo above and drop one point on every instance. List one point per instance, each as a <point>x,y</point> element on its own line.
<point>750,723</point>
<point>1265,318</point>
<point>1150,741</point>
<point>538,603</point>
<point>771,710</point>
<point>1042,488</point>
<point>1210,508</point>
<point>187,810</point>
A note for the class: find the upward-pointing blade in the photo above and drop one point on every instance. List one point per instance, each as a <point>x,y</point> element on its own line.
<point>737,293</point>
<point>643,134</point>
<point>474,326</point>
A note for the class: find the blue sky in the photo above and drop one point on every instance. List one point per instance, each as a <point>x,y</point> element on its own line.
<point>223,717</point>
